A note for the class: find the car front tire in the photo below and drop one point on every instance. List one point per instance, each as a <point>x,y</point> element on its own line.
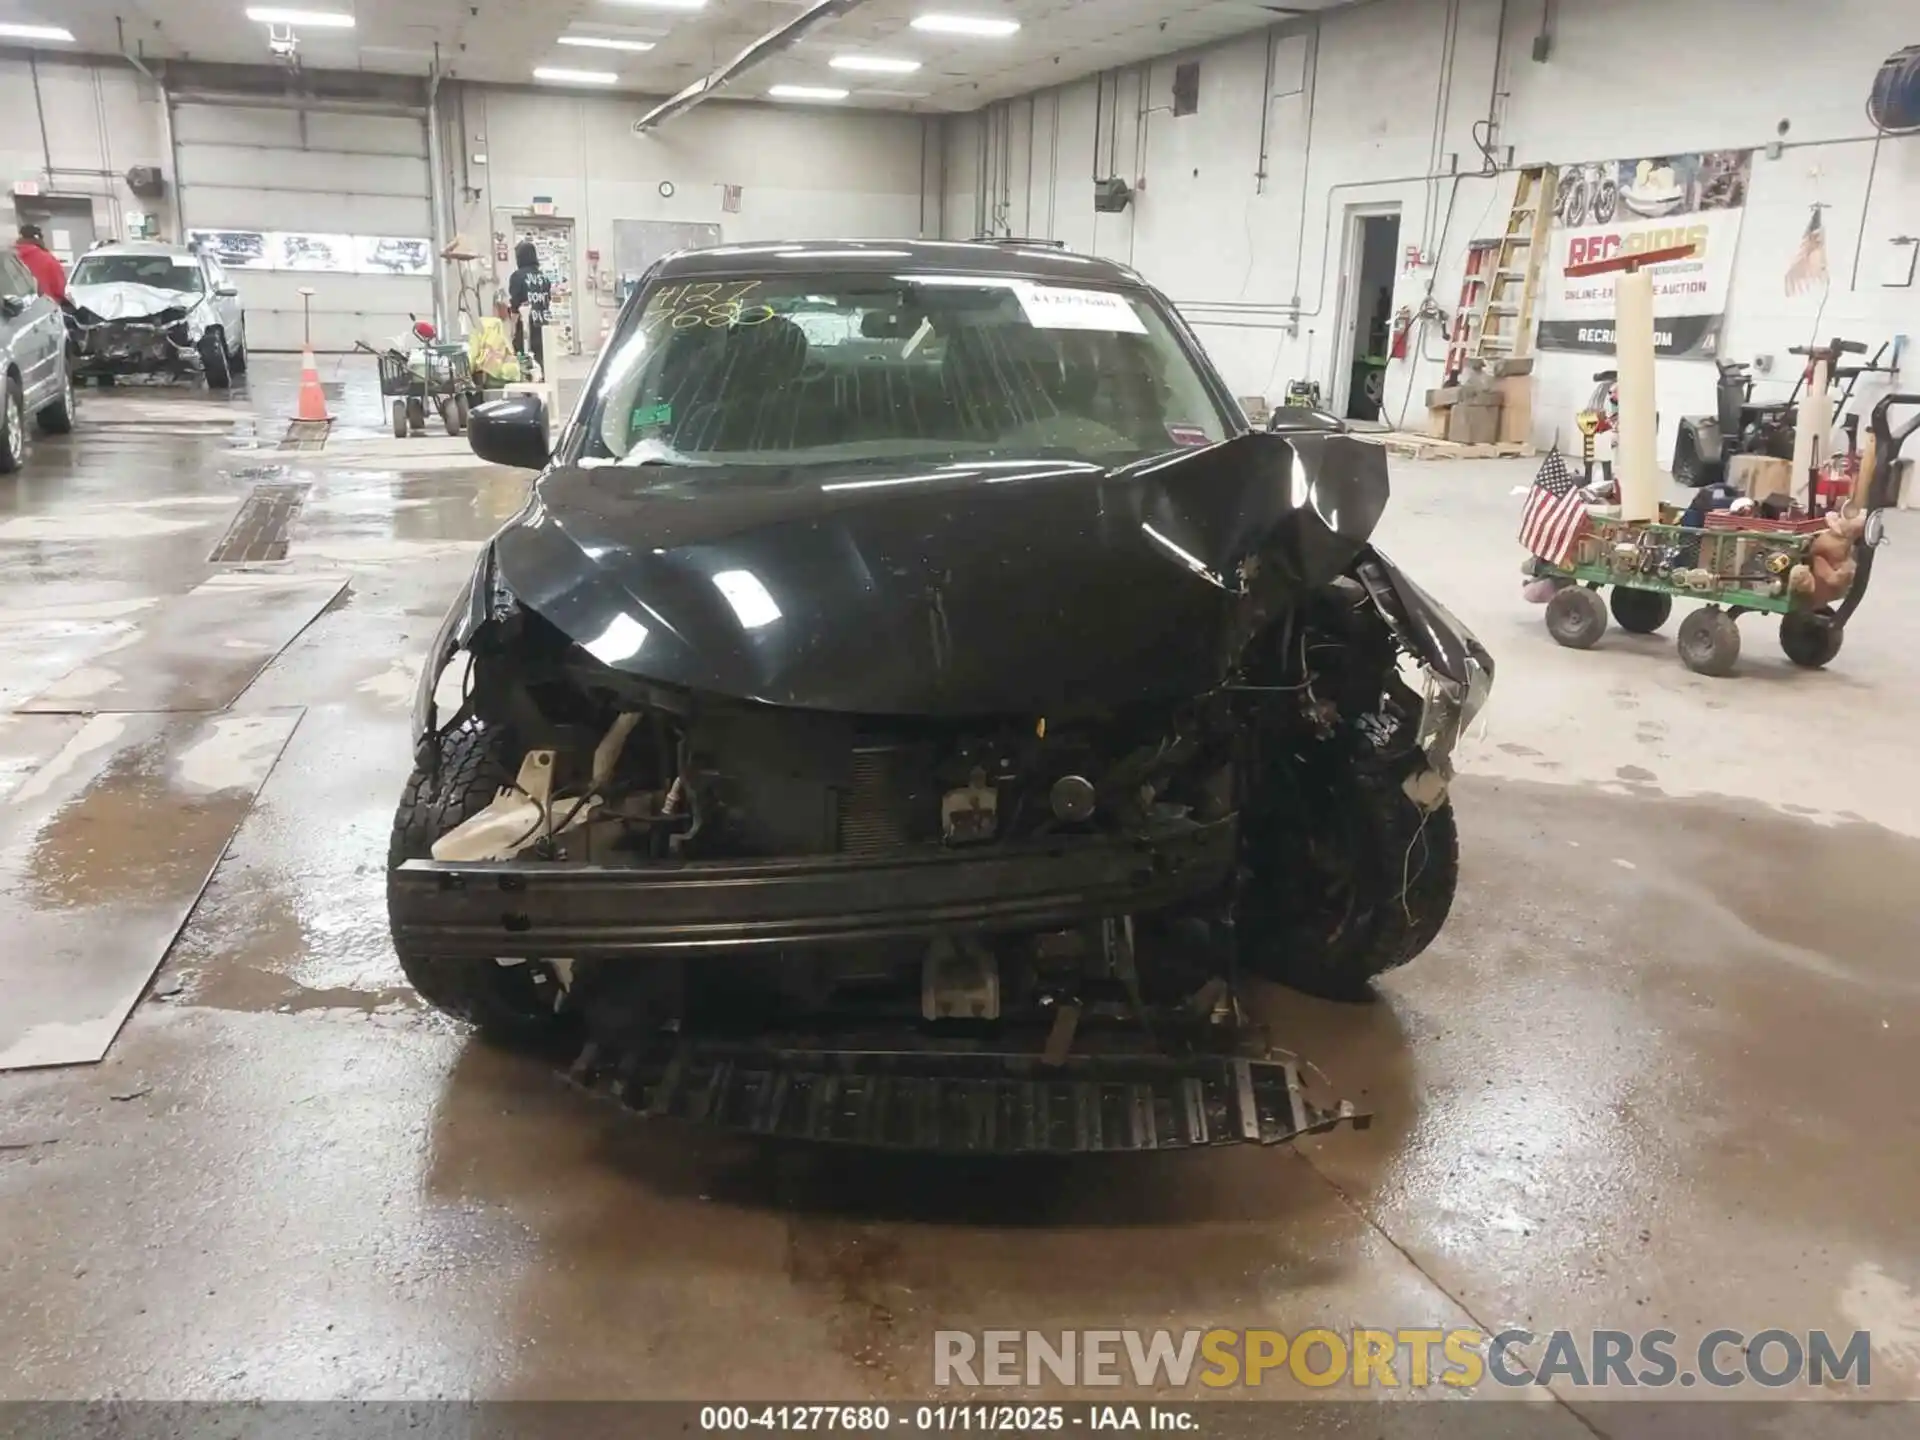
<point>510,1004</point>
<point>1344,875</point>
<point>215,361</point>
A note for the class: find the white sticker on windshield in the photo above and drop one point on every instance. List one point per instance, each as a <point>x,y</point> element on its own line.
<point>1058,307</point>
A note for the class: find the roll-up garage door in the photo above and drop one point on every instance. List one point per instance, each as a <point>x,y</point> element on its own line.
<point>327,198</point>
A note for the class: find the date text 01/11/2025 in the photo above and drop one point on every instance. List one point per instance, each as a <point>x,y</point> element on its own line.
<point>945,1419</point>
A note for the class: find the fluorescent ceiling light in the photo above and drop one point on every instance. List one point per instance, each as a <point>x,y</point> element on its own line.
<point>602,42</point>
<point>313,19</point>
<point>10,31</point>
<point>806,92</point>
<point>664,4</point>
<point>966,25</point>
<point>562,76</point>
<point>875,64</point>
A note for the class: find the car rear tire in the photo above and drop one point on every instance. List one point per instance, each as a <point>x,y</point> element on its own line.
<point>215,360</point>
<point>1344,876</point>
<point>13,427</point>
<point>511,1004</point>
<point>57,418</point>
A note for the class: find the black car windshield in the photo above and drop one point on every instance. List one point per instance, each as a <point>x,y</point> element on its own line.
<point>789,369</point>
<point>179,273</point>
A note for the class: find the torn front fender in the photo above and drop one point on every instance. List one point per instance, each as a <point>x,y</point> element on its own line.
<point>463,618</point>
<point>1459,669</point>
<point>1425,628</point>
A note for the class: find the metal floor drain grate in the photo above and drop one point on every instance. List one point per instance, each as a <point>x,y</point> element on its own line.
<point>306,435</point>
<point>259,531</point>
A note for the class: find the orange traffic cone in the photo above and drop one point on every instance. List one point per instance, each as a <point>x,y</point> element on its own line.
<point>313,400</point>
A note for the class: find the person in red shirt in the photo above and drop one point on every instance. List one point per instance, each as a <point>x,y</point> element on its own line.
<point>48,273</point>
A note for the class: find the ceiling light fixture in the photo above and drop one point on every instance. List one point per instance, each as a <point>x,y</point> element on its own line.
<point>561,76</point>
<point>312,19</point>
<point>664,4</point>
<point>806,92</point>
<point>11,31</point>
<point>603,42</point>
<point>875,64</point>
<point>977,25</point>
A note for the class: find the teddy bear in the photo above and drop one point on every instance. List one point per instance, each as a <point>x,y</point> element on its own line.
<point>1827,572</point>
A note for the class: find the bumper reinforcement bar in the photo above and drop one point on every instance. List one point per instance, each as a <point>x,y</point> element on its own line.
<point>534,911</point>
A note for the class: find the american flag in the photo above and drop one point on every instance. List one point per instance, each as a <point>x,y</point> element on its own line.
<point>1809,267</point>
<point>1556,513</point>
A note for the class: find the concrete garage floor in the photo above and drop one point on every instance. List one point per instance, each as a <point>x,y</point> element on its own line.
<point>1658,1071</point>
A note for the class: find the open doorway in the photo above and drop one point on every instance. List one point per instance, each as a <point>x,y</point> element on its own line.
<point>66,221</point>
<point>1373,249</point>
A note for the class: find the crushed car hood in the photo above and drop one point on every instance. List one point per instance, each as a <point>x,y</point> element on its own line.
<point>127,301</point>
<point>1017,587</point>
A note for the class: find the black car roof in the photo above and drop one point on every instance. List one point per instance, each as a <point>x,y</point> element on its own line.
<point>1033,260</point>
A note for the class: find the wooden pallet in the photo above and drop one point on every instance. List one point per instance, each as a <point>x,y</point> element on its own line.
<point>1414,446</point>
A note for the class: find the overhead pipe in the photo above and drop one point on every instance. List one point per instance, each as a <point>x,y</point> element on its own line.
<point>40,110</point>
<point>769,44</point>
<point>166,123</point>
<point>437,195</point>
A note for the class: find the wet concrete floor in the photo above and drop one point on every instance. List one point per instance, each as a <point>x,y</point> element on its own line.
<point>1657,1072</point>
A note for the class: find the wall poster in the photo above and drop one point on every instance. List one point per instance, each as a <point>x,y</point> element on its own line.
<point>1646,203</point>
<point>335,254</point>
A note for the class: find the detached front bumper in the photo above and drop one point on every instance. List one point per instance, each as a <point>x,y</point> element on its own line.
<point>533,911</point>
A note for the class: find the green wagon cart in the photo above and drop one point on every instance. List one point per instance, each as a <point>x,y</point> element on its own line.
<point>1734,567</point>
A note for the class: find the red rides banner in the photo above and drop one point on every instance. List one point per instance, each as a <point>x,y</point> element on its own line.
<point>1630,207</point>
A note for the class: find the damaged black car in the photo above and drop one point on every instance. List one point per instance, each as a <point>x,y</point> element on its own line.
<point>913,705</point>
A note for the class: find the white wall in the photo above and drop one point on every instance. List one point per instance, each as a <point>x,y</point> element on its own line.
<point>1360,111</point>
<point>805,172</point>
<point>101,116</point>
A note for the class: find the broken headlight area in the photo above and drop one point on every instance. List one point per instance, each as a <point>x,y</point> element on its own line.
<point>165,339</point>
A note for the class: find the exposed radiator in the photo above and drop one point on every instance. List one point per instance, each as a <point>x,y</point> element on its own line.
<point>874,809</point>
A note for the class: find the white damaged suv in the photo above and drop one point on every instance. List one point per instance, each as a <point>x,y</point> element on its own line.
<point>154,309</point>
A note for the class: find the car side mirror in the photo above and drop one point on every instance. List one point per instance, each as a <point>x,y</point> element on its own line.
<point>13,306</point>
<point>227,292</point>
<point>512,431</point>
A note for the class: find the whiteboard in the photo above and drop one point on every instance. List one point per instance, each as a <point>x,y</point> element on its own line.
<point>637,244</point>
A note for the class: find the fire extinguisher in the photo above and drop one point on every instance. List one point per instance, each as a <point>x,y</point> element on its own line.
<point>1402,329</point>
